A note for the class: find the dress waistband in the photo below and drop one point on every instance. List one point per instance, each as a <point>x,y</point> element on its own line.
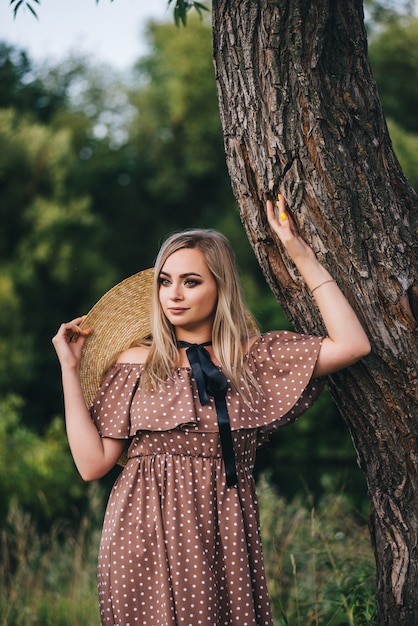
<point>187,443</point>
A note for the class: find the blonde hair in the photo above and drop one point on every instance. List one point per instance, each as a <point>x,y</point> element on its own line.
<point>233,323</point>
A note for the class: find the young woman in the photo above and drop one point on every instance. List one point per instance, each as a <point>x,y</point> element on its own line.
<point>181,542</point>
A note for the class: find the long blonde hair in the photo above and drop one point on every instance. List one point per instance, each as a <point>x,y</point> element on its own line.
<point>233,323</point>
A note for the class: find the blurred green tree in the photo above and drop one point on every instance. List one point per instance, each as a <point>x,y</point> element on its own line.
<point>406,147</point>
<point>37,472</point>
<point>393,54</point>
<point>47,269</point>
<point>24,91</point>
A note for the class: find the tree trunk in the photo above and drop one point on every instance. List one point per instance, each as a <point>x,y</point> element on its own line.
<point>301,115</point>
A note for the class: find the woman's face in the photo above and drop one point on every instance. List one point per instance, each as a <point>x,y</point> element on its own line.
<point>188,293</point>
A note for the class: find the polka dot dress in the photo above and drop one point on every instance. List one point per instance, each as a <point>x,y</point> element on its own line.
<point>178,546</point>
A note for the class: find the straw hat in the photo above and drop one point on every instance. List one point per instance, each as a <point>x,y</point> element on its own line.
<point>119,318</point>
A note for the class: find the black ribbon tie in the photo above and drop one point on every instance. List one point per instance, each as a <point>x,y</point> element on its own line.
<point>212,382</point>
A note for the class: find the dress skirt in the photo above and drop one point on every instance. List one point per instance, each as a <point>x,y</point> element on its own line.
<point>176,548</point>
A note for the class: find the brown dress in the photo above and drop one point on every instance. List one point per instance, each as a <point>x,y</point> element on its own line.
<point>178,546</point>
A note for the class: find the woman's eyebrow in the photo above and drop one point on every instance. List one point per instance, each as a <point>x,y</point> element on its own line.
<point>186,275</point>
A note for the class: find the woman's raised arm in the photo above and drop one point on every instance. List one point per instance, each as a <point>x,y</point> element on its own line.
<point>346,342</point>
<point>93,455</point>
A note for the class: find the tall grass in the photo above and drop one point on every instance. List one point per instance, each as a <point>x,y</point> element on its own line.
<point>50,580</point>
<point>319,566</point>
<point>319,561</point>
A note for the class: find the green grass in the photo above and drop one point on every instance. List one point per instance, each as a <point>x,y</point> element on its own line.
<point>319,561</point>
<point>319,565</point>
<point>50,580</point>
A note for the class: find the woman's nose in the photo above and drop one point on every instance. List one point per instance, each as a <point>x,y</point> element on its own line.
<point>176,292</point>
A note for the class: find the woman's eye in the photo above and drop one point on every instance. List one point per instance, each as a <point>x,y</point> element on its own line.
<point>163,281</point>
<point>190,282</point>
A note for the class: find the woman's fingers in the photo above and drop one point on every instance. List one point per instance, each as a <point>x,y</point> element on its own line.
<point>281,207</point>
<point>74,329</point>
<point>279,219</point>
<point>69,332</point>
<point>283,225</point>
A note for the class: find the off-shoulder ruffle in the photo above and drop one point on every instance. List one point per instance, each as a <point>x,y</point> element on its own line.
<point>121,408</point>
<point>281,362</point>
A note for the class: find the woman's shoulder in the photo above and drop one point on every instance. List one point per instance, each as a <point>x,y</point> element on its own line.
<point>136,354</point>
<point>270,336</point>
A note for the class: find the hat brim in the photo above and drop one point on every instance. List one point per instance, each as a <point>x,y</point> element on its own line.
<point>120,318</point>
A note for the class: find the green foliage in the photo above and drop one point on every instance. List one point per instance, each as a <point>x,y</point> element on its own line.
<point>393,54</point>
<point>24,92</point>
<point>182,7</point>
<point>36,473</point>
<point>13,341</point>
<point>17,4</point>
<point>178,121</point>
<point>47,270</point>
<point>405,145</point>
<point>380,12</point>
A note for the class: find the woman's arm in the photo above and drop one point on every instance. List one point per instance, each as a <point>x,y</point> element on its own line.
<point>93,455</point>
<point>346,342</point>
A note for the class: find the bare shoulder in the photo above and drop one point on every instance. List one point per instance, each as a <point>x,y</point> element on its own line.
<point>137,354</point>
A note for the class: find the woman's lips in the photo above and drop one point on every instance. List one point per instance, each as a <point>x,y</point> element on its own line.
<point>177,310</point>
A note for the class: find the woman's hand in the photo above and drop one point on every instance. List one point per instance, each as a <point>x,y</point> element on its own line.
<point>301,254</point>
<point>285,229</point>
<point>69,341</point>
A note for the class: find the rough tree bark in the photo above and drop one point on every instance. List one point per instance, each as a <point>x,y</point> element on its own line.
<point>301,115</point>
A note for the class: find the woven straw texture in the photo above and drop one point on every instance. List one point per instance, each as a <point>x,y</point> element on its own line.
<point>119,318</point>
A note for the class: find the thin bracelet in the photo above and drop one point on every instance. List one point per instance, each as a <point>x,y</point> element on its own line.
<point>331,280</point>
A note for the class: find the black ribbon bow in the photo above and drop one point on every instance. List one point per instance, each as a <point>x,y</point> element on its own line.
<point>212,382</point>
